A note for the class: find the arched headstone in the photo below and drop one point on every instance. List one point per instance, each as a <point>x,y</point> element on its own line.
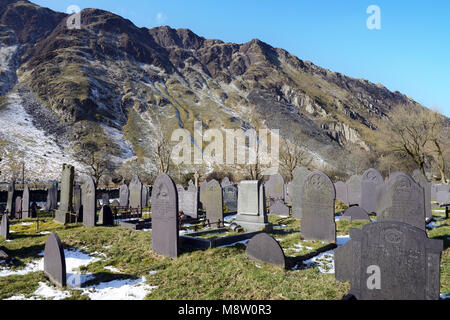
<point>4,227</point>
<point>318,208</point>
<point>124,195</point>
<point>354,185</point>
<point>264,248</point>
<point>55,261</point>
<point>213,200</point>
<point>341,191</point>
<point>300,175</point>
<point>26,213</point>
<point>370,181</point>
<point>165,217</point>
<point>52,197</point>
<point>135,193</point>
<point>89,202</point>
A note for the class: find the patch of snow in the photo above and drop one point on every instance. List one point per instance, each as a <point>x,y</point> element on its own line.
<point>120,290</point>
<point>112,269</point>
<point>44,292</point>
<point>244,242</point>
<point>324,261</point>
<point>342,240</point>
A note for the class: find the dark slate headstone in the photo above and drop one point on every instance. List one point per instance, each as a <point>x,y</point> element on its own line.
<point>165,217</point>
<point>369,182</point>
<point>202,193</point>
<point>66,195</point>
<point>425,184</point>
<point>144,197</point>
<point>26,212</point>
<point>10,203</point>
<point>18,206</point>
<point>106,217</point>
<point>230,197</point>
<point>33,208</point>
<point>135,193</point>
<point>404,260</point>
<point>318,208</point>
<point>55,261</point>
<point>300,174</point>
<point>88,201</point>
<point>354,185</point>
<point>190,204</point>
<point>433,191</point>
<point>105,199</point>
<point>213,202</point>
<point>180,192</point>
<point>124,195</point>
<point>355,214</point>
<point>443,193</point>
<point>76,200</point>
<point>52,197</point>
<point>263,248</point>
<point>4,227</point>
<point>341,192</point>
<point>279,208</point>
<point>402,200</point>
<point>275,188</point>
<point>344,260</point>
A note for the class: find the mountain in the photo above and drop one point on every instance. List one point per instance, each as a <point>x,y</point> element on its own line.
<point>127,84</point>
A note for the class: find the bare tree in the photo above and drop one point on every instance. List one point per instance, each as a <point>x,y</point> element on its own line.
<point>440,146</point>
<point>292,155</point>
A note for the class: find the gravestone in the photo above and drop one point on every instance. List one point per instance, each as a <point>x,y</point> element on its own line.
<point>433,191</point>
<point>144,197</point>
<point>4,227</point>
<point>318,208</point>
<point>252,215</point>
<point>423,182</point>
<point>26,213</point>
<point>202,193</point>
<point>288,193</point>
<point>135,193</point>
<point>124,195</point>
<point>354,185</point>
<point>55,261</point>
<point>62,215</point>
<point>355,214</point>
<point>263,248</point>
<point>402,199</point>
<point>76,201</point>
<point>341,192</point>
<point>392,261</point>
<point>165,217</point>
<point>279,208</point>
<point>190,204</point>
<point>10,203</point>
<point>18,207</point>
<point>443,193</point>
<point>275,188</point>
<point>191,186</point>
<point>106,217</point>
<point>213,202</point>
<point>105,199</point>
<point>230,197</point>
<point>180,192</point>
<point>300,174</point>
<point>89,202</point>
<point>225,182</point>
<point>370,181</point>
<point>52,197</point>
<point>33,208</point>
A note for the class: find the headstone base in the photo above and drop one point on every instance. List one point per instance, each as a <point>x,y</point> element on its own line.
<point>255,226</point>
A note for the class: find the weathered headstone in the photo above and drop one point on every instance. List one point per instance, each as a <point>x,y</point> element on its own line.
<point>62,215</point>
<point>278,207</point>
<point>392,261</point>
<point>252,215</point>
<point>264,248</point>
<point>124,195</point>
<point>4,227</point>
<point>144,197</point>
<point>370,180</point>
<point>55,261</point>
<point>26,213</point>
<point>18,207</point>
<point>275,188</point>
<point>402,199</point>
<point>10,204</point>
<point>76,201</point>
<point>180,192</point>
<point>106,217</point>
<point>300,175</point>
<point>202,193</point>
<point>423,182</point>
<point>165,217</point>
<point>355,214</point>
<point>213,202</point>
<point>354,185</point>
<point>135,193</point>
<point>89,202</point>
<point>341,192</point>
<point>52,197</point>
<point>190,204</point>
<point>230,197</point>
<point>318,208</point>
<point>443,193</point>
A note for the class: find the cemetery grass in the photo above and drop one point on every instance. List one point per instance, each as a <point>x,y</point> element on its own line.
<point>219,273</point>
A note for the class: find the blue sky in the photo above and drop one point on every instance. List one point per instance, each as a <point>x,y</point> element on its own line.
<point>410,53</point>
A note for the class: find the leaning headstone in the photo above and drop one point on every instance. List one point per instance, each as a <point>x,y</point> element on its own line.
<point>135,193</point>
<point>55,261</point>
<point>124,195</point>
<point>106,217</point>
<point>10,203</point>
<point>26,213</point>
<point>230,197</point>
<point>252,215</point>
<point>263,248</point>
<point>355,214</point>
<point>62,215</point>
<point>318,208</point>
<point>393,261</point>
<point>354,185</point>
<point>370,181</point>
<point>4,227</point>
<point>52,197</point>
<point>341,192</point>
<point>402,200</point>
<point>18,213</point>
<point>300,175</point>
<point>89,202</point>
<point>165,217</point>
<point>423,182</point>
<point>213,202</point>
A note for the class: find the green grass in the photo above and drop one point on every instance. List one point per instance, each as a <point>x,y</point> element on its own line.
<point>219,273</point>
